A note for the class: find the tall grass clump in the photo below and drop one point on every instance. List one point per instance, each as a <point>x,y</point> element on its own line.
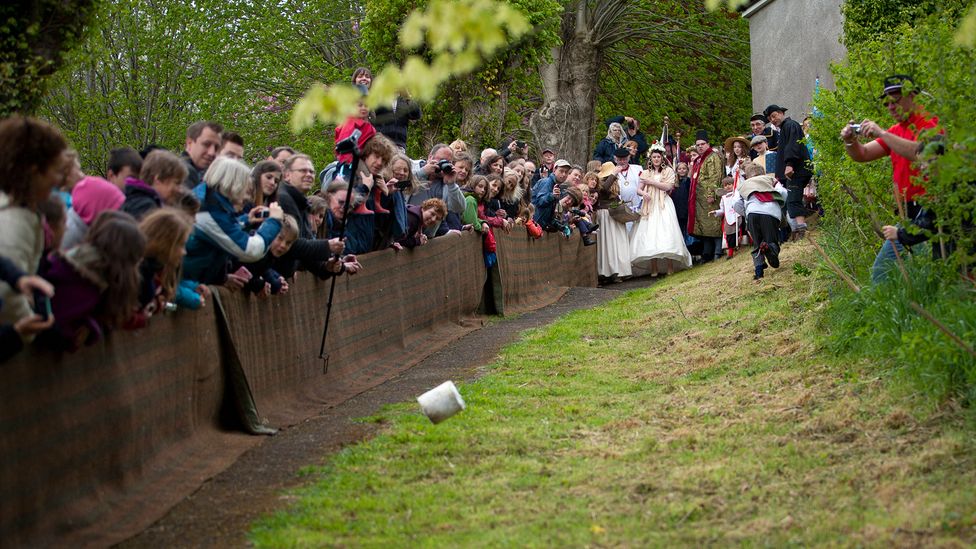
<point>879,322</point>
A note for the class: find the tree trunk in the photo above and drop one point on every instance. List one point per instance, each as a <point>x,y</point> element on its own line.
<point>570,84</point>
<point>480,116</point>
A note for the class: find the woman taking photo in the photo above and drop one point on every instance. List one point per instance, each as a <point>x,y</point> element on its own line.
<point>218,235</point>
<point>614,140</point>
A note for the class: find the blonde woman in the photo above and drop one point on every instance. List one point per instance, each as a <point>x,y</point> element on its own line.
<point>614,140</point>
<point>459,147</point>
<point>219,235</point>
<point>512,192</point>
<point>400,177</point>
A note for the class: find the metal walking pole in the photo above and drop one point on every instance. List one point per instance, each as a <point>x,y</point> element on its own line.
<point>347,145</point>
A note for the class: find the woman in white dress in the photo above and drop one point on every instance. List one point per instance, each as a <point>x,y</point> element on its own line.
<point>613,247</point>
<point>657,235</point>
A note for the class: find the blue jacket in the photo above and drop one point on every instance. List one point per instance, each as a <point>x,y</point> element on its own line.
<point>219,236</point>
<point>604,150</point>
<point>544,201</point>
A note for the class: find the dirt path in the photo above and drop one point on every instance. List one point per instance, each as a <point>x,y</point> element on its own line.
<point>219,512</point>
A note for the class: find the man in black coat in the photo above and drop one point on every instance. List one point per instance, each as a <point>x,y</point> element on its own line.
<point>393,121</point>
<point>200,149</point>
<point>792,165</point>
<point>299,175</point>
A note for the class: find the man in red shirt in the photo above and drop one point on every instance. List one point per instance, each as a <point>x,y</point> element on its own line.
<point>900,142</point>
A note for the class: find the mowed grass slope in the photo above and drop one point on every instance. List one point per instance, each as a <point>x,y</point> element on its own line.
<point>699,411</point>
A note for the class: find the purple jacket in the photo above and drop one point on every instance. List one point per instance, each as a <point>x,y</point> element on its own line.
<point>75,302</point>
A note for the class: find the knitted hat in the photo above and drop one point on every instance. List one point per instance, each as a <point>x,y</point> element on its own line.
<point>93,195</point>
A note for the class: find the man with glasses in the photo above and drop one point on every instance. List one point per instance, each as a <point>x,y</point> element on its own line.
<point>900,142</point>
<point>308,250</point>
<point>706,178</point>
<point>793,168</point>
<point>299,176</point>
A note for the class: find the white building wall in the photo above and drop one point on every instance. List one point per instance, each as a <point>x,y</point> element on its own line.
<point>793,42</point>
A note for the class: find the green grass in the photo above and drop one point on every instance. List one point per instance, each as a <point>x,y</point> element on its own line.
<point>701,411</point>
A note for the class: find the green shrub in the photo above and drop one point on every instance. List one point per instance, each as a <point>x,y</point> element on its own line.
<point>879,322</point>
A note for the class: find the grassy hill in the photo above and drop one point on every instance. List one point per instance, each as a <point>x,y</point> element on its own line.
<point>702,410</point>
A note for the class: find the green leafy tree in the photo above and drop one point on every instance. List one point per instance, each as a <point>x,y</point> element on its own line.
<point>651,59</point>
<point>865,20</point>
<point>448,39</point>
<point>149,69</point>
<point>695,88</point>
<point>34,38</point>
<point>491,102</point>
<point>598,34</point>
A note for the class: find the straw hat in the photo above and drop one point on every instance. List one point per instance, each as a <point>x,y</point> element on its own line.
<point>745,144</point>
<point>607,169</point>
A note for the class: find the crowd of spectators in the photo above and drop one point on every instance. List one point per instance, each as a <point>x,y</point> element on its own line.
<point>82,254</point>
<point>664,208</point>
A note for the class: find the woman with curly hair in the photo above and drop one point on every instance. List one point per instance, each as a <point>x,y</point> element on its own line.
<point>32,163</point>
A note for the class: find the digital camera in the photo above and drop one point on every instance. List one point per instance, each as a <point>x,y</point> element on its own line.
<point>444,166</point>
